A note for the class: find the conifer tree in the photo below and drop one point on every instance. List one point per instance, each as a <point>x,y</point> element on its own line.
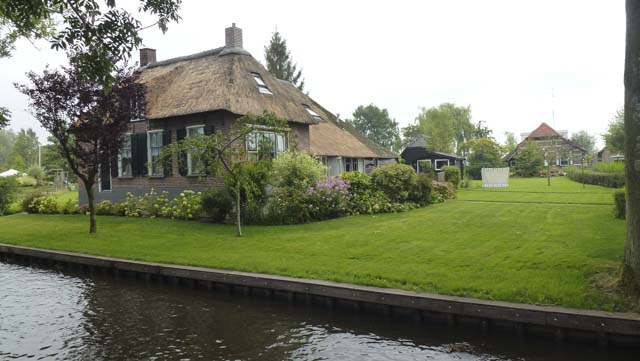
<point>280,63</point>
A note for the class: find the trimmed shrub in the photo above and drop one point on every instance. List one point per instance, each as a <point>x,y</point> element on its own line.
<point>217,204</point>
<point>620,210</point>
<point>611,180</point>
<point>422,191</point>
<point>69,207</point>
<point>396,180</point>
<point>43,205</point>
<point>8,187</point>
<point>28,205</point>
<point>297,170</point>
<point>452,175</point>
<point>442,191</point>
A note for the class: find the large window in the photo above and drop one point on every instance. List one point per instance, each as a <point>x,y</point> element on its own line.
<point>125,157</point>
<point>266,144</point>
<point>154,141</point>
<point>351,164</point>
<point>195,164</point>
<point>441,163</point>
<point>424,166</point>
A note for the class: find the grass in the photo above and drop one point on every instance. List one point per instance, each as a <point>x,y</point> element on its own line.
<point>61,197</point>
<point>553,254</point>
<point>536,190</point>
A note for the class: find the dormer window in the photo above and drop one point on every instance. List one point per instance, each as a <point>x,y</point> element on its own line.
<point>311,112</point>
<point>262,86</point>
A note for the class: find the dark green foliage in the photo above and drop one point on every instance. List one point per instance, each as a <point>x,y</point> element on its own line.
<point>376,125</point>
<point>28,205</point>
<point>217,203</point>
<point>395,180</point>
<point>280,63</point>
<point>620,210</point>
<point>611,180</point>
<point>584,140</point>
<point>8,187</point>
<point>422,191</point>
<point>483,153</point>
<point>614,137</point>
<point>530,160</point>
<point>288,206</point>
<point>5,117</point>
<point>452,175</point>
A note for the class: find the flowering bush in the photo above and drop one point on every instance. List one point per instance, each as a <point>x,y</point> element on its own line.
<point>152,203</point>
<point>44,205</point>
<point>328,199</point>
<point>105,208</point>
<point>188,205</point>
<point>442,191</point>
<point>132,206</point>
<point>69,207</point>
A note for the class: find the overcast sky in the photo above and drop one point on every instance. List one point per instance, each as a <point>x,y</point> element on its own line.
<point>503,58</point>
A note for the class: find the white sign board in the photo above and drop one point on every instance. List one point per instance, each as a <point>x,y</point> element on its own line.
<point>495,177</point>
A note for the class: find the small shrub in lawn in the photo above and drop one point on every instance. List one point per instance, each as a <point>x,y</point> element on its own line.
<point>452,175</point>
<point>395,180</point>
<point>328,199</point>
<point>620,210</point>
<point>7,193</point>
<point>44,205</point>
<point>442,191</point>
<point>217,203</point>
<point>132,206</point>
<point>27,202</point>
<point>105,208</point>
<point>188,205</point>
<point>152,203</point>
<point>421,193</point>
<point>69,207</point>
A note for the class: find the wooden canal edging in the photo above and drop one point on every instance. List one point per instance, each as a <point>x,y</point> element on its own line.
<point>557,321</point>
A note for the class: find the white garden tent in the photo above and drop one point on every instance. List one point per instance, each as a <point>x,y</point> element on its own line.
<point>11,173</point>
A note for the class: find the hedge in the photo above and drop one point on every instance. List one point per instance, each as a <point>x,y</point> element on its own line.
<point>611,180</point>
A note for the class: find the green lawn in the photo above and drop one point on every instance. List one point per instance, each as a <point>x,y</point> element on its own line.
<point>536,190</point>
<point>533,253</point>
<point>61,197</point>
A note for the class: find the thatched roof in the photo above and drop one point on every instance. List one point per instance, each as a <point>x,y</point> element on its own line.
<point>337,138</point>
<point>220,79</point>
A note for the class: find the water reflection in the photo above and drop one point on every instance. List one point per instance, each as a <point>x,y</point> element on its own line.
<point>45,314</point>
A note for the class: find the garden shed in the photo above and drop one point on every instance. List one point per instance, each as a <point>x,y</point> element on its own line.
<point>423,160</point>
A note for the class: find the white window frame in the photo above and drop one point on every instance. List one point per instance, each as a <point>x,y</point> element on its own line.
<point>130,158</point>
<point>436,164</point>
<point>262,86</point>
<point>149,157</point>
<point>276,150</point>
<point>189,167</point>
<point>423,160</point>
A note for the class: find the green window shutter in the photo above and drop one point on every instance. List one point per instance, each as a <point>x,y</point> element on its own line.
<point>139,154</point>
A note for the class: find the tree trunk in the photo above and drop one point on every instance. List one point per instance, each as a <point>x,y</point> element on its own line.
<point>631,269</point>
<point>92,208</point>
<point>238,224</point>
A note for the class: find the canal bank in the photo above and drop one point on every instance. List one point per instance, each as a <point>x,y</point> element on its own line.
<point>564,324</point>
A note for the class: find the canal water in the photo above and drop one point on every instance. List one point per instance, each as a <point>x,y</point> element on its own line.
<point>47,314</point>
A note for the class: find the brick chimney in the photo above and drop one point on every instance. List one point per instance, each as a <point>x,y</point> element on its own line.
<point>233,37</point>
<point>147,56</point>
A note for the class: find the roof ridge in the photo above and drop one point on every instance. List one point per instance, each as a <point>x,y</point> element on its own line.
<point>220,51</point>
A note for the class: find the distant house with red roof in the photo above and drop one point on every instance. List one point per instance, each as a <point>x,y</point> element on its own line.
<point>550,141</point>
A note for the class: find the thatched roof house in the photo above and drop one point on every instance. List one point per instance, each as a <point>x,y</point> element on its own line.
<point>205,93</point>
<point>549,140</point>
